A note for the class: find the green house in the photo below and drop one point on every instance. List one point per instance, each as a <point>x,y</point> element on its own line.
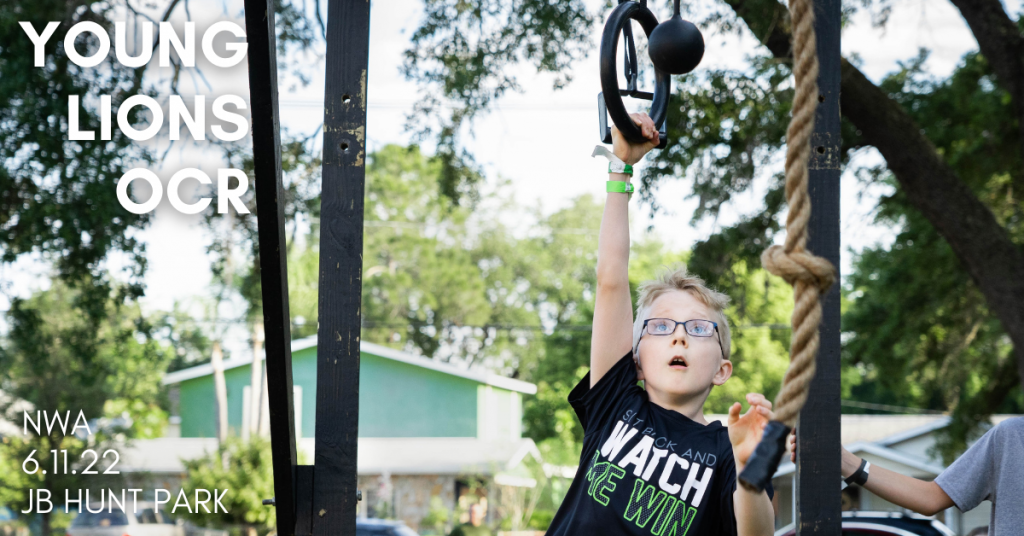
<point>400,395</point>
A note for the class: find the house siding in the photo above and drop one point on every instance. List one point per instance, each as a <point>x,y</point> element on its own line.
<point>396,399</point>
<point>197,401</point>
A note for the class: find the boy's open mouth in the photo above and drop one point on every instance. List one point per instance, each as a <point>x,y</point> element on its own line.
<point>678,362</point>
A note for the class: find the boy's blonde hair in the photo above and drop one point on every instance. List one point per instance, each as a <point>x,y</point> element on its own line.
<point>680,279</point>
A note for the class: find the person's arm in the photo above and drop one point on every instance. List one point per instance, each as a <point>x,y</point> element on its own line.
<point>612,335</point>
<point>755,515</point>
<point>923,497</point>
<point>754,512</point>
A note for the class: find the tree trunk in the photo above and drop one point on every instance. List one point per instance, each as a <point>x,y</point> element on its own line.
<point>220,389</point>
<point>983,246</point>
<point>264,429</point>
<point>256,380</point>
<point>1001,42</point>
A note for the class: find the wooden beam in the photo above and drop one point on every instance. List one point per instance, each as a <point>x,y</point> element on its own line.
<point>266,150</point>
<point>818,462</point>
<point>341,248</point>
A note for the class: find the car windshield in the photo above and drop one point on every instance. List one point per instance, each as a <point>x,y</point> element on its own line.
<point>100,519</point>
<point>166,518</point>
<point>384,530</point>
<point>146,516</point>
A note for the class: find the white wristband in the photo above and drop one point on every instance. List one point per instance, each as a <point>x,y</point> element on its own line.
<point>615,164</point>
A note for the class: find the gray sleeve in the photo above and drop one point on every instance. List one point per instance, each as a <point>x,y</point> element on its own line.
<point>970,478</point>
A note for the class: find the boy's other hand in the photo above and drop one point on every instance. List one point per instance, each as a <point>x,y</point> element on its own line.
<point>631,153</point>
<point>791,446</point>
<point>745,432</point>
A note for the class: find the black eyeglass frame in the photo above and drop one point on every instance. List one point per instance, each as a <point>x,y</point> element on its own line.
<point>677,323</point>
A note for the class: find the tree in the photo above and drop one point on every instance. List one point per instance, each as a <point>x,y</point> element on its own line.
<point>58,359</point>
<point>954,180</point>
<point>455,284</point>
<point>461,55</point>
<point>59,197</point>
<point>434,276</point>
<point>952,168</point>
<point>246,471</point>
<point>948,344</point>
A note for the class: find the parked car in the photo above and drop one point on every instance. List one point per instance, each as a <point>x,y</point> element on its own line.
<point>884,524</point>
<point>146,520</point>
<point>381,527</point>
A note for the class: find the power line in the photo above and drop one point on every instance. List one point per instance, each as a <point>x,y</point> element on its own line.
<point>407,104</point>
<point>500,327</point>
<point>887,407</point>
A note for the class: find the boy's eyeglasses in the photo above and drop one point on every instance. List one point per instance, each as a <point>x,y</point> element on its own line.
<point>695,328</point>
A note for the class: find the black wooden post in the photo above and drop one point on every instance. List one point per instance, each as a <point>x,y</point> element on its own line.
<point>341,249</point>
<point>266,150</point>
<point>817,468</point>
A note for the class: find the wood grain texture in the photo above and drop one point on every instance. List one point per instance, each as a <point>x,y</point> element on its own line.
<point>990,256</point>
<point>818,464</point>
<point>341,247</point>
<point>262,55</point>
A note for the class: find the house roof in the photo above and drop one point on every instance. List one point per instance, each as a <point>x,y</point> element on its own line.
<point>377,350</point>
<point>889,429</point>
<point>376,455</point>
<point>863,447</point>
<point>438,455</point>
<point>877,435</point>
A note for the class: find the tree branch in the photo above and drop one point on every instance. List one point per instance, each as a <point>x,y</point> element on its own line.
<point>994,261</point>
<point>1001,43</point>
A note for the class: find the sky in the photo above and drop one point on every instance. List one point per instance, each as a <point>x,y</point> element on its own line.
<point>515,140</point>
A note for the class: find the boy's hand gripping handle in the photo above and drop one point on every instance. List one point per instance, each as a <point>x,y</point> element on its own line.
<point>764,462</point>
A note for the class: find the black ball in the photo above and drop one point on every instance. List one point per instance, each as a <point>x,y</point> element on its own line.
<point>676,46</point>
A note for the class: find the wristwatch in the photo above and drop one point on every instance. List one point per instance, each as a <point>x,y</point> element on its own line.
<point>860,476</point>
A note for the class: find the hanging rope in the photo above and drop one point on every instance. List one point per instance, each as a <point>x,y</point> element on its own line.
<point>810,276</point>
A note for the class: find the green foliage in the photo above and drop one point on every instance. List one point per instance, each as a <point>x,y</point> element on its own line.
<point>190,341</point>
<point>246,470</point>
<point>58,195</point>
<point>438,520</point>
<point>451,283</point>
<point>759,317</point>
<point>920,333</point>
<point>435,279</point>
<point>724,130</point>
<point>463,55</point>
<point>56,358</point>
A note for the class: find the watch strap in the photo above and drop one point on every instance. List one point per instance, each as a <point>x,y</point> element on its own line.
<point>860,476</point>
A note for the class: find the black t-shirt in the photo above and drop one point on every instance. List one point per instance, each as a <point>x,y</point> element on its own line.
<point>645,470</point>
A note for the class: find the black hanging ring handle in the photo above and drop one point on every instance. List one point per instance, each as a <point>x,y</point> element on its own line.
<point>619,19</point>
<point>765,460</point>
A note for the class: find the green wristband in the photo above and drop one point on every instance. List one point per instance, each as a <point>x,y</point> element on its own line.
<point>620,167</point>
<point>620,187</point>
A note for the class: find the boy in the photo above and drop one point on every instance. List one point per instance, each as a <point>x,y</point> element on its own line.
<point>651,464</point>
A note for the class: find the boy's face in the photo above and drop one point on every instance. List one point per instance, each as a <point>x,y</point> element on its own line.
<point>680,365</point>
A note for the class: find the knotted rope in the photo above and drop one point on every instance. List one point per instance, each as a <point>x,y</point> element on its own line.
<point>810,276</point>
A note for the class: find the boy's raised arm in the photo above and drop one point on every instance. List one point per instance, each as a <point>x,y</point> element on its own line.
<point>612,334</point>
